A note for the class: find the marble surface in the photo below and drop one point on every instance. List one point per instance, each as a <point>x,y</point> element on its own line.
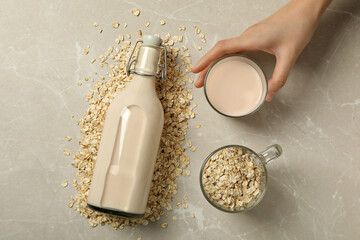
<point>314,187</point>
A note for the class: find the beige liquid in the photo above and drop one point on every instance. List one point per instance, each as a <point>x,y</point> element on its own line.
<point>236,86</point>
<point>129,145</point>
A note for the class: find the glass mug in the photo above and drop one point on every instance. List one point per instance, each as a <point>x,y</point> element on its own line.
<point>260,160</point>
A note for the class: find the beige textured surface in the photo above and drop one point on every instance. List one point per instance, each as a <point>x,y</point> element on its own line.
<point>314,188</point>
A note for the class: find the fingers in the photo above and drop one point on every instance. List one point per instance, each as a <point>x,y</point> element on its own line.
<point>200,80</point>
<point>282,70</point>
<point>222,48</point>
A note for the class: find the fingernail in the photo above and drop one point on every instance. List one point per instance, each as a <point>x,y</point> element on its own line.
<point>270,95</point>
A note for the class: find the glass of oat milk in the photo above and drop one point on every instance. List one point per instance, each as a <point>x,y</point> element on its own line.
<point>233,178</point>
<point>235,86</point>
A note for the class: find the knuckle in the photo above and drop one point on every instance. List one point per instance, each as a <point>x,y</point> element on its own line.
<point>277,84</point>
<point>254,29</point>
<point>221,44</point>
<point>291,52</point>
<point>250,29</point>
<point>280,83</point>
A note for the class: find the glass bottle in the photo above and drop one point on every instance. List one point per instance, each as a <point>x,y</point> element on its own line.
<point>130,139</point>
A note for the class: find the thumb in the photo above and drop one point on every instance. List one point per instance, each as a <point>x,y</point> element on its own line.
<point>282,70</point>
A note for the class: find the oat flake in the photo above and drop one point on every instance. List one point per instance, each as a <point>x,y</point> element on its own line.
<point>135,12</point>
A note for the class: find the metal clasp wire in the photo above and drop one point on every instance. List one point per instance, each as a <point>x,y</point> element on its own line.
<point>131,62</point>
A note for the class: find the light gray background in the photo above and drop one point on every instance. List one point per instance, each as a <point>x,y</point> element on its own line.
<point>314,187</point>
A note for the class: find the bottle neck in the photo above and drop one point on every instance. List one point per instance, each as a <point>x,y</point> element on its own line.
<point>143,82</point>
<point>147,63</point>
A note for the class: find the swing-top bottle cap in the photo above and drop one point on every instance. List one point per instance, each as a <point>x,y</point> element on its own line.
<point>151,39</point>
<point>147,62</point>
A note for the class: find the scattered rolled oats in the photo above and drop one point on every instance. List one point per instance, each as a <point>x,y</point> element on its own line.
<point>86,79</point>
<point>140,33</point>
<point>188,143</point>
<point>197,30</point>
<point>180,38</point>
<point>115,24</point>
<point>102,59</point>
<point>100,30</point>
<point>128,35</point>
<point>68,138</point>
<point>162,22</point>
<point>64,183</point>
<point>198,47</point>
<point>96,24</point>
<point>182,28</point>
<point>79,83</point>
<point>168,35</point>
<point>93,60</point>
<point>74,183</point>
<point>202,37</point>
<point>193,149</point>
<point>197,126</point>
<point>192,215</point>
<point>231,179</point>
<point>147,23</point>
<point>70,204</point>
<point>135,12</point>
<point>186,54</point>
<point>164,225</point>
<point>86,51</point>
<point>66,153</point>
<point>125,25</point>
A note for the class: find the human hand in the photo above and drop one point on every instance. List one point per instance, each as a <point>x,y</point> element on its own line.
<point>283,34</point>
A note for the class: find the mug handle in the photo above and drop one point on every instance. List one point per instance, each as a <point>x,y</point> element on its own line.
<point>271,153</point>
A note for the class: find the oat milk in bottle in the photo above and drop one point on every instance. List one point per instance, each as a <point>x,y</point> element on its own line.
<point>130,140</point>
